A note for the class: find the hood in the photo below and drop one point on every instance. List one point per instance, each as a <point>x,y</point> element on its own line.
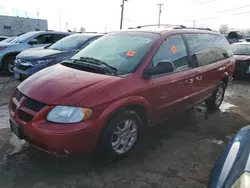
<point>6,44</point>
<point>39,54</point>
<point>63,85</point>
<point>242,57</point>
<point>36,48</point>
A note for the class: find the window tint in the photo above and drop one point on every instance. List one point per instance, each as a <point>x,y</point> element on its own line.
<point>172,49</point>
<point>44,39</point>
<point>206,48</point>
<point>57,37</point>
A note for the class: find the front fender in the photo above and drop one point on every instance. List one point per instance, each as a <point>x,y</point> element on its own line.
<point>125,103</point>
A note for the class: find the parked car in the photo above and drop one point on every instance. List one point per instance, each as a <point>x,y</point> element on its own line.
<point>235,36</point>
<point>7,40</point>
<point>3,38</point>
<point>105,95</point>
<point>232,168</point>
<point>242,57</point>
<point>31,61</point>
<point>9,51</point>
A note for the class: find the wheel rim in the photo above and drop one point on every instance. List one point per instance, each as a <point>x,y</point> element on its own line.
<point>124,136</point>
<point>11,66</point>
<point>219,96</point>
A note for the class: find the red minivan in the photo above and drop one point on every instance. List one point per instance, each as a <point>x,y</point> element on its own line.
<point>104,96</point>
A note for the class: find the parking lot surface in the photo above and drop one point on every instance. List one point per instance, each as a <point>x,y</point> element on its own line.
<point>177,153</point>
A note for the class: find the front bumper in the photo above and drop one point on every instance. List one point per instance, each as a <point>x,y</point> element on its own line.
<point>61,140</point>
<point>23,72</point>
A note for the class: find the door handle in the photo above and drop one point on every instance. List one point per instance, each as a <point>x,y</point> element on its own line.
<point>199,78</point>
<point>190,81</point>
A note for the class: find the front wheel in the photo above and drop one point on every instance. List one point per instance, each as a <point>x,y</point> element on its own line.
<point>9,63</point>
<point>216,99</point>
<point>121,135</point>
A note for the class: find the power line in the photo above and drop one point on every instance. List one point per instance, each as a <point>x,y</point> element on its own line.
<point>236,8</point>
<point>241,13</point>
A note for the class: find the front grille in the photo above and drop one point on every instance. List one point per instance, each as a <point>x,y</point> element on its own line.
<point>25,116</point>
<point>19,95</point>
<point>28,103</point>
<point>22,67</point>
<point>33,105</point>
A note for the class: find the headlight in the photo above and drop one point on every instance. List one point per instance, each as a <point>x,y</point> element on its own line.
<point>42,61</point>
<point>68,114</point>
<point>243,181</point>
<point>2,48</point>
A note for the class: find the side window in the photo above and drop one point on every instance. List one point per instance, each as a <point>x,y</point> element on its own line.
<point>44,39</point>
<point>207,48</point>
<point>57,37</point>
<point>172,49</point>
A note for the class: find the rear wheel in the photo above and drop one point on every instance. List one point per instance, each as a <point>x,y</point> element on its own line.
<point>216,99</point>
<point>121,135</point>
<point>9,64</point>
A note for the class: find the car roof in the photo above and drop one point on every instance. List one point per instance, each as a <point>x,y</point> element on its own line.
<point>168,28</point>
<point>88,34</point>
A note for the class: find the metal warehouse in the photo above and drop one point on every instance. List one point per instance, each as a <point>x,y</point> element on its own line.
<point>12,26</point>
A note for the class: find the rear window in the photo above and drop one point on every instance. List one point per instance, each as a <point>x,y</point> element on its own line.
<point>123,50</point>
<point>208,48</point>
<point>241,49</point>
<point>70,43</point>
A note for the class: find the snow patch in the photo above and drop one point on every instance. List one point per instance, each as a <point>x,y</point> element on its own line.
<point>225,106</point>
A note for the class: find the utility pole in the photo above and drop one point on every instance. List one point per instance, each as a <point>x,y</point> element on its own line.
<point>60,22</point>
<point>122,11</point>
<point>160,11</point>
<point>195,23</point>
<point>38,24</point>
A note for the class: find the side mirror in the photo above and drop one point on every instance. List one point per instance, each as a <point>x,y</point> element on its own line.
<point>77,51</point>
<point>33,41</point>
<point>163,67</point>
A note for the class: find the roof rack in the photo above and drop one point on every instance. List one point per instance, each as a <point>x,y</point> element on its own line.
<point>199,28</point>
<point>165,25</point>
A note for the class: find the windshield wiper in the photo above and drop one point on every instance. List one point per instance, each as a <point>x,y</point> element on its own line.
<point>98,62</point>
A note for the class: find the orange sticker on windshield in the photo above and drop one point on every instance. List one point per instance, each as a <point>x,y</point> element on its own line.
<point>174,49</point>
<point>131,53</point>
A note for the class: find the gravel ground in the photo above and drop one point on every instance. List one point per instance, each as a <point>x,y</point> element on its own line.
<point>177,153</point>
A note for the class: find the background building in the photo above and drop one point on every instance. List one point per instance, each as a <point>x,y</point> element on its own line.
<point>12,26</point>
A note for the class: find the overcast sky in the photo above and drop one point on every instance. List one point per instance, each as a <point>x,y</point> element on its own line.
<point>95,15</point>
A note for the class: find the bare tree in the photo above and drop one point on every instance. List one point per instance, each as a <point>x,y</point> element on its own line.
<point>82,29</point>
<point>224,28</point>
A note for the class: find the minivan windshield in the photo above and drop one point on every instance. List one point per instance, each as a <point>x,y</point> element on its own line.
<point>241,49</point>
<point>23,37</point>
<point>122,51</point>
<point>70,43</point>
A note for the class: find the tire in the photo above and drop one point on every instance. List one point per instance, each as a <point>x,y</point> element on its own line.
<point>214,102</point>
<point>108,150</point>
<point>9,65</point>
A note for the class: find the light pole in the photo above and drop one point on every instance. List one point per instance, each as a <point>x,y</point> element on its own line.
<point>160,11</point>
<point>122,11</point>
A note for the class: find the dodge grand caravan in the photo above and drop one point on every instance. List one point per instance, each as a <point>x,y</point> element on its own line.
<point>105,95</point>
